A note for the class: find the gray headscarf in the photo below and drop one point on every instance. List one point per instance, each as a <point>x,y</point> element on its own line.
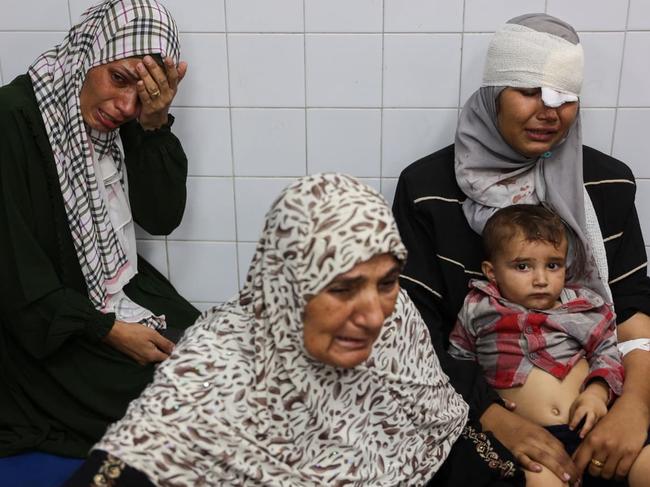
<point>493,175</point>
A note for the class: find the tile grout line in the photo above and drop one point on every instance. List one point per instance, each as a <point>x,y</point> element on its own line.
<point>620,81</point>
<point>460,68</point>
<point>69,14</point>
<point>342,108</point>
<point>232,143</point>
<point>304,72</point>
<point>382,95</point>
<point>342,33</point>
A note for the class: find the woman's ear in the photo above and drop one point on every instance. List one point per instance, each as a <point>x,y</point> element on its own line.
<point>488,270</point>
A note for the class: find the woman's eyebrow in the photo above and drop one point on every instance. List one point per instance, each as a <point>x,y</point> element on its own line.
<point>394,270</point>
<point>349,280</point>
<point>353,279</point>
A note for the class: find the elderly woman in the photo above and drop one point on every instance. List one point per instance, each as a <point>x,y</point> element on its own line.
<point>85,151</point>
<point>519,141</point>
<point>320,372</point>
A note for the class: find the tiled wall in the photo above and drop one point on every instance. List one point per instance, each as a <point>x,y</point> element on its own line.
<point>281,88</point>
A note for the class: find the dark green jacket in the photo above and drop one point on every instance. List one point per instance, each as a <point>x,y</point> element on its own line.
<point>60,385</point>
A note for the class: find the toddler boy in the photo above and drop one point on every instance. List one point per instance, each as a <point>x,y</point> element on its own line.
<point>548,347</point>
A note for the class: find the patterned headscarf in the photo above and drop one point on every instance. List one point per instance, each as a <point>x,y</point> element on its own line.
<point>108,32</point>
<point>240,402</point>
<point>493,175</point>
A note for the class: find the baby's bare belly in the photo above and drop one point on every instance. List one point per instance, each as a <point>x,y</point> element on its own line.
<point>545,399</point>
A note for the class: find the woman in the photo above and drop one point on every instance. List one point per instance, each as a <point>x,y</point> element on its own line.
<point>86,149</point>
<point>519,141</point>
<point>320,372</point>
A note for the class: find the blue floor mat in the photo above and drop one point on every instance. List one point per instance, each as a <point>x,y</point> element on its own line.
<point>36,469</point>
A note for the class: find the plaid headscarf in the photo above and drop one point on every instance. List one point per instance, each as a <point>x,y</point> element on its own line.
<point>108,32</point>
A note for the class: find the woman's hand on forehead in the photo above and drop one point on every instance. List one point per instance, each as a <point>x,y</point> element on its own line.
<point>157,88</point>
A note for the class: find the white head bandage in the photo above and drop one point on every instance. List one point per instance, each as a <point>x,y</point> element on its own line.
<point>522,57</point>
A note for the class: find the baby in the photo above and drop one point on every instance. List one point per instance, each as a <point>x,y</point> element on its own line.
<point>548,347</point>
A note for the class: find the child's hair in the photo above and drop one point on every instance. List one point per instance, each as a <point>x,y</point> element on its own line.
<point>536,223</point>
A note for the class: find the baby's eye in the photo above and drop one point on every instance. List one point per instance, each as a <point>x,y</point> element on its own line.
<point>554,266</point>
<point>522,267</point>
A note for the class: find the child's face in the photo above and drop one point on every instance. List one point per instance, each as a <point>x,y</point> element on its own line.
<point>529,273</point>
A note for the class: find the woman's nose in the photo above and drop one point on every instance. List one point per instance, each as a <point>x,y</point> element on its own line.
<point>128,103</point>
<point>369,311</point>
<point>547,113</point>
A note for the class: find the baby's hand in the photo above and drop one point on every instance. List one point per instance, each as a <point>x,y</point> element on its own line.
<point>590,405</point>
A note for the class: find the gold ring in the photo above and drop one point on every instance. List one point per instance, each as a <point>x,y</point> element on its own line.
<point>155,94</point>
<point>597,463</point>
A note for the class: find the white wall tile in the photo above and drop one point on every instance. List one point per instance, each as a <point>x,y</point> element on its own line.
<point>77,7</point>
<point>635,88</point>
<point>245,253</point>
<point>35,15</point>
<point>639,17</point>
<point>423,15</point>
<point>374,183</point>
<point>267,70</point>
<point>489,15</point>
<point>590,14</point>
<point>343,15</point>
<point>388,186</point>
<point>629,140</point>
<point>344,141</point>
<point>598,128</point>
<point>643,207</point>
<point>206,81</point>
<point>199,16</point>
<point>18,50</point>
<point>475,47</point>
<point>603,57</point>
<point>264,16</point>
<point>154,252</point>
<point>413,70</point>
<point>411,134</point>
<point>203,271</point>
<point>253,199</point>
<point>269,141</point>
<point>205,135</point>
<point>209,214</point>
<point>343,70</point>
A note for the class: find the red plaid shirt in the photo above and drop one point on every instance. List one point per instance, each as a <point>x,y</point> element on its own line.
<point>508,339</point>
